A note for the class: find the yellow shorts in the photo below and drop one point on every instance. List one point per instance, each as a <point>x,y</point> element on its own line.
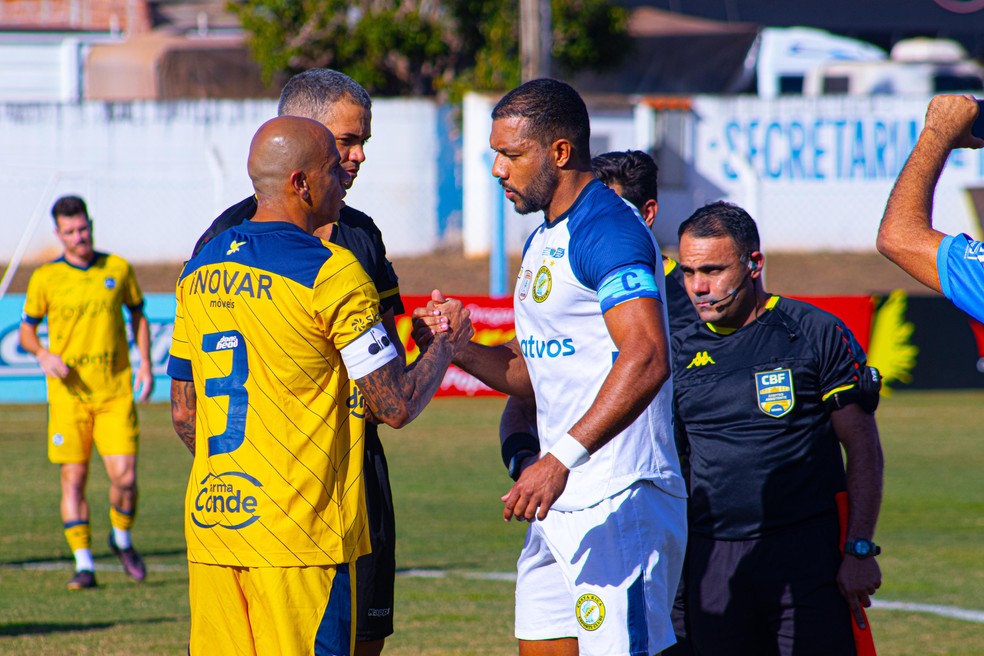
<point>73,425</point>
<point>253,611</point>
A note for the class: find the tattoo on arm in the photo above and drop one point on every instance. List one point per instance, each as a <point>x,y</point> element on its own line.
<point>396,395</point>
<point>184,404</point>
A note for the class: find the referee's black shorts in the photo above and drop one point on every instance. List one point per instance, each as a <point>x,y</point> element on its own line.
<point>376,572</point>
<point>775,595</point>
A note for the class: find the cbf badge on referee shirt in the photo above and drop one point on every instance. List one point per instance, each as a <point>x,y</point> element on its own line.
<point>775,392</point>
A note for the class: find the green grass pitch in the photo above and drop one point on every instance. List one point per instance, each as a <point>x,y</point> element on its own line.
<point>448,478</point>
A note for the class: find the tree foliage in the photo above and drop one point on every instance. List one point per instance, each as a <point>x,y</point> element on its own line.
<point>425,47</point>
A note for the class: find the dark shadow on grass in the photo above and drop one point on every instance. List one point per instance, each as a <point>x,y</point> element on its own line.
<point>46,628</point>
<point>98,556</point>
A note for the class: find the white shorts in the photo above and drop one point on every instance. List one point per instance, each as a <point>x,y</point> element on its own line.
<point>606,575</point>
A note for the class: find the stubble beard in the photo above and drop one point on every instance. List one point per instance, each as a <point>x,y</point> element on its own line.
<point>540,191</point>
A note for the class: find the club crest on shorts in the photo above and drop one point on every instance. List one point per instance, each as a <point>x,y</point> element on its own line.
<point>524,286</point>
<point>776,396</point>
<point>542,284</point>
<point>590,611</point>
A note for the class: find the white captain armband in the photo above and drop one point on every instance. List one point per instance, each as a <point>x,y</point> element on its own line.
<point>627,283</point>
<point>368,352</point>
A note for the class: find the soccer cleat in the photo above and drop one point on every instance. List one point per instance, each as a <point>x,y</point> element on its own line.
<point>133,564</point>
<point>82,579</point>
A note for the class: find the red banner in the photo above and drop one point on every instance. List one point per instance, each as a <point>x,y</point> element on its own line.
<point>493,321</point>
<point>857,313</point>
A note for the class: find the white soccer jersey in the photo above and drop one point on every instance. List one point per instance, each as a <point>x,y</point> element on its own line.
<point>597,255</point>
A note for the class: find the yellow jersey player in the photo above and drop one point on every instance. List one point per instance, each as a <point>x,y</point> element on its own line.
<point>274,330</point>
<point>87,365</point>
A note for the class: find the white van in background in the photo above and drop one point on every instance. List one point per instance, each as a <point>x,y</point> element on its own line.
<point>916,67</point>
<point>786,54</point>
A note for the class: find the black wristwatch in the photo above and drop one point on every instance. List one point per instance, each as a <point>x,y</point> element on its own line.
<point>517,461</point>
<point>861,548</point>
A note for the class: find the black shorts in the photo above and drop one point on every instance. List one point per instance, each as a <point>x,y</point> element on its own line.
<point>775,595</point>
<point>376,572</point>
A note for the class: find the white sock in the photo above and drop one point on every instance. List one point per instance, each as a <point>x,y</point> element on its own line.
<point>83,560</point>
<point>122,538</point>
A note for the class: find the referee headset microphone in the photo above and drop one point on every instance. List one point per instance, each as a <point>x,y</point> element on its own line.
<point>751,266</point>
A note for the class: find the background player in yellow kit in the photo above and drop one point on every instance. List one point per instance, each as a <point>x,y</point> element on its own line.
<point>87,364</point>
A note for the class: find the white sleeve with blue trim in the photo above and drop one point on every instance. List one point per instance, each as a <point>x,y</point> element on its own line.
<point>960,263</point>
<point>614,254</point>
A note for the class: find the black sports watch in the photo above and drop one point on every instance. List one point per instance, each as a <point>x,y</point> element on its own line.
<point>516,463</point>
<point>861,548</point>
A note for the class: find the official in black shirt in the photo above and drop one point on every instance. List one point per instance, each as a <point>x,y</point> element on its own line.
<point>767,391</point>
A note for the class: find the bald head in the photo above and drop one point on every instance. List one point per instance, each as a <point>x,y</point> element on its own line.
<point>283,145</point>
<point>294,166</point>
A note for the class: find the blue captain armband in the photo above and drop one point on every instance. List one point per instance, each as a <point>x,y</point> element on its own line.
<point>625,284</point>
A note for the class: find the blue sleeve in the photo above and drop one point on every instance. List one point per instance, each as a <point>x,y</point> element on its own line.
<point>179,368</point>
<point>613,254</point>
<point>960,263</point>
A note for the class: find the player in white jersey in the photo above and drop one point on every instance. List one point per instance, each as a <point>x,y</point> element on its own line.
<point>606,501</point>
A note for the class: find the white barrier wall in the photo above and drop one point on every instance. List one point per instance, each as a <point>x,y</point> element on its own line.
<point>156,174</point>
<point>815,173</point>
<point>612,128</point>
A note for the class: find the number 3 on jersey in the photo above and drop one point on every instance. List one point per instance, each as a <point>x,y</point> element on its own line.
<point>231,386</point>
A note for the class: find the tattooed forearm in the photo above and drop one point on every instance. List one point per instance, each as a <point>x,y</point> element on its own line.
<point>184,406</point>
<point>423,378</point>
<point>396,396</point>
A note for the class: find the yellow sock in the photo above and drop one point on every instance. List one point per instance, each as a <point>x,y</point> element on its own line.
<point>121,520</point>
<point>78,535</point>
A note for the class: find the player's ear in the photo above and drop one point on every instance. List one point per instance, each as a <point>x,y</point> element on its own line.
<point>299,183</point>
<point>561,151</point>
<point>648,211</point>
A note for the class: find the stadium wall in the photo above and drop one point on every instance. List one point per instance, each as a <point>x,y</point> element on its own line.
<point>155,174</point>
<point>918,342</point>
<point>815,173</point>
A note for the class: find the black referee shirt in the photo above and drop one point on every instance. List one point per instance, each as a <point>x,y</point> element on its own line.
<point>763,452</point>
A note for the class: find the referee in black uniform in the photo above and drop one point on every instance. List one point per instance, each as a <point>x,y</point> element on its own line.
<point>344,107</point>
<point>767,391</point>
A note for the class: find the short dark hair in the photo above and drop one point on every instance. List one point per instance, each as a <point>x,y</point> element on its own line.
<point>68,206</point>
<point>313,93</point>
<point>634,171</point>
<point>722,219</point>
<point>553,110</point>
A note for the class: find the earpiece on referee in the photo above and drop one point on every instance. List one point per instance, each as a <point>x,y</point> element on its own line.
<point>753,265</point>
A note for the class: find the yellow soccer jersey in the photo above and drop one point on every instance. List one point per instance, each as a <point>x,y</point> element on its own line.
<point>264,313</point>
<point>85,324</point>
